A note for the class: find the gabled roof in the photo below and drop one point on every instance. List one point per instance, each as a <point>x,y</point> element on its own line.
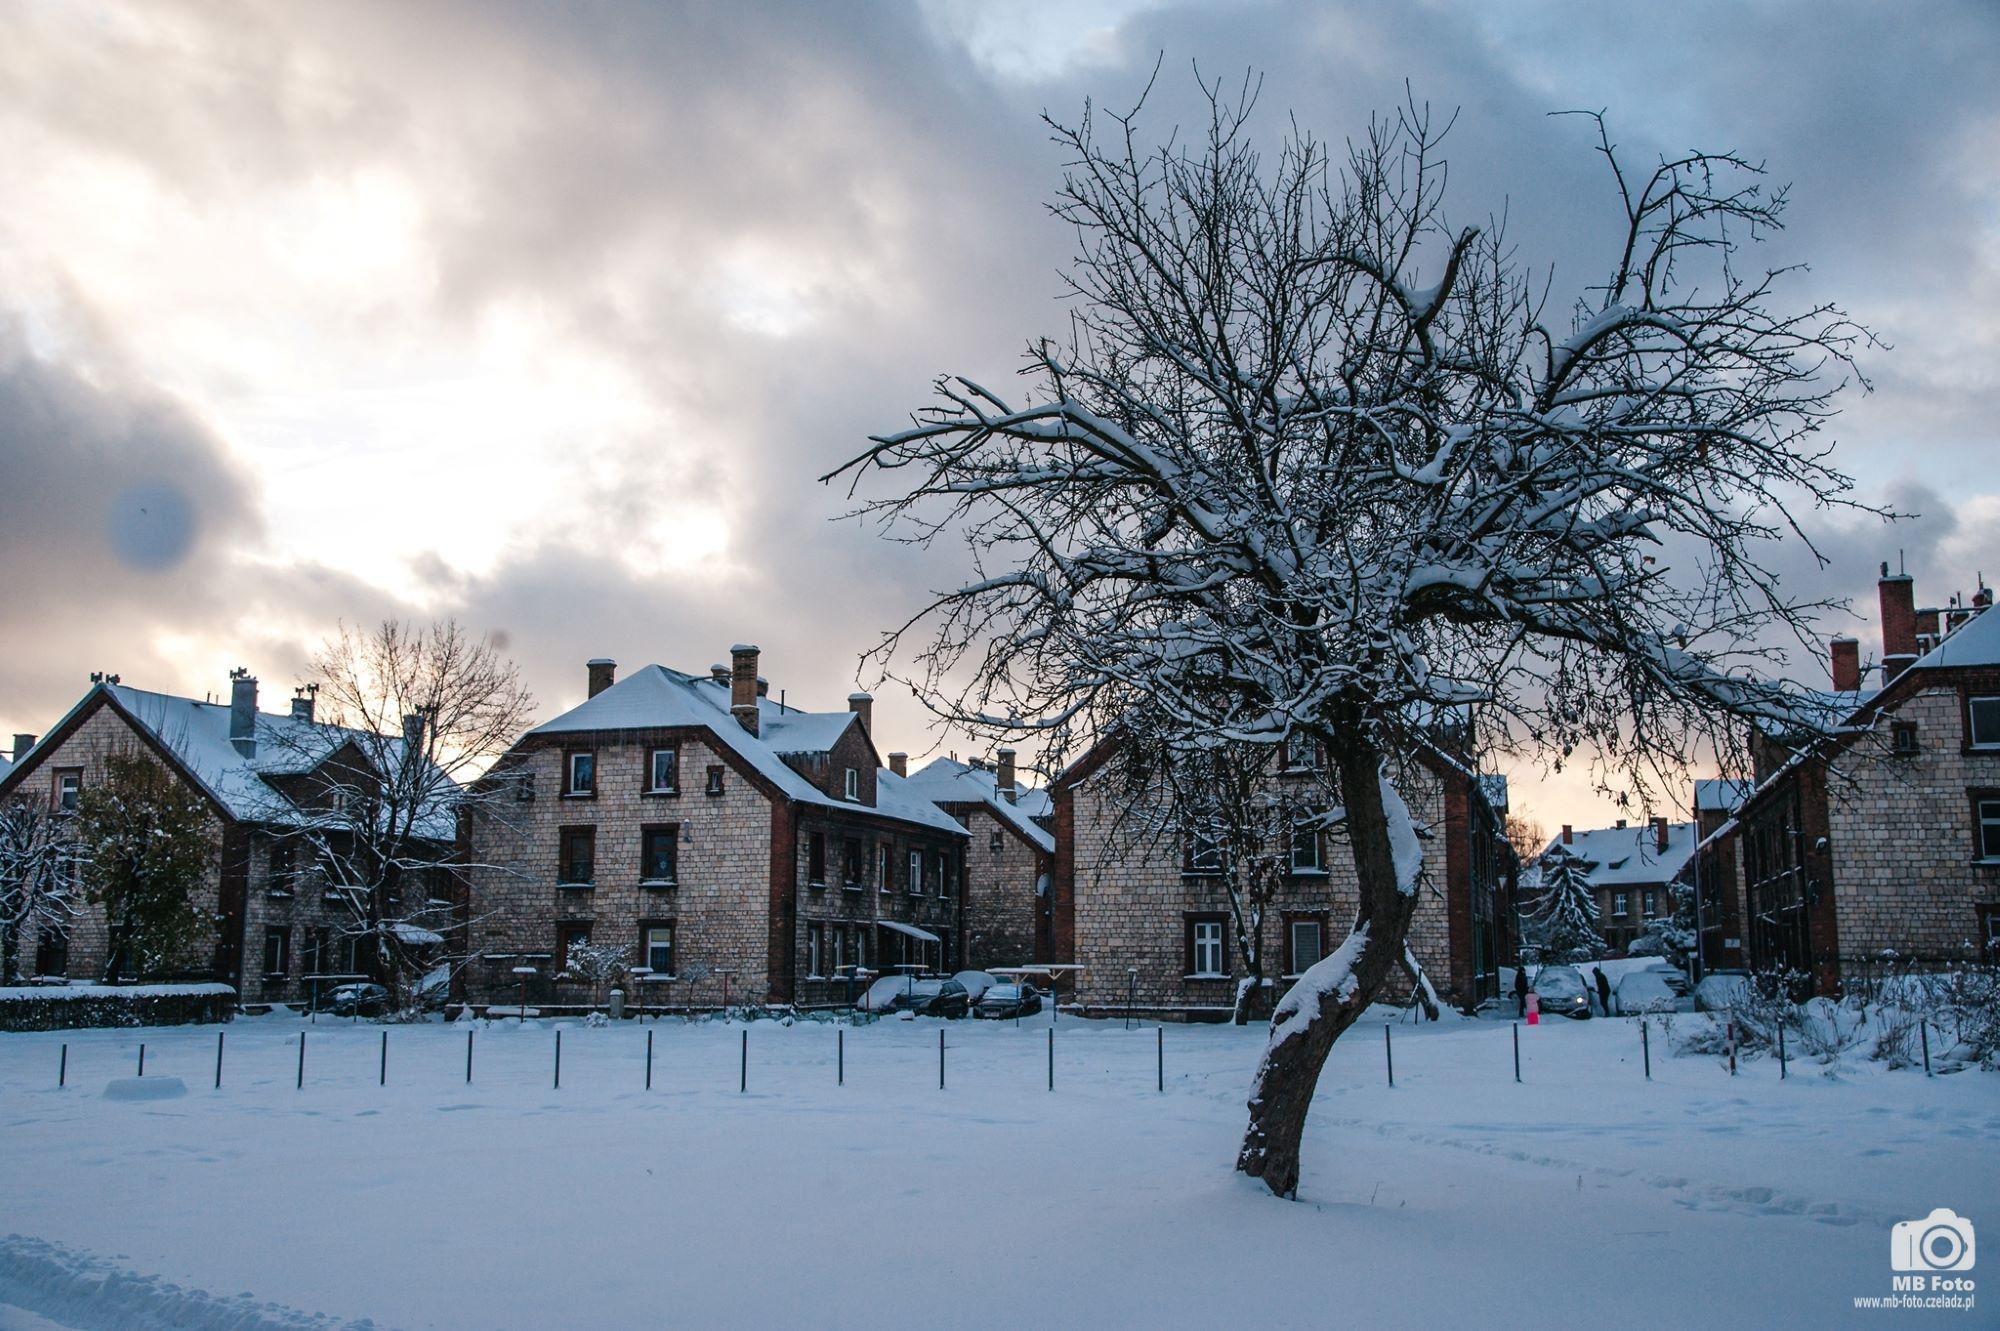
<point>196,734</point>
<point>1720,794</point>
<point>948,781</point>
<point>656,697</point>
<point>5,767</point>
<point>1617,856</point>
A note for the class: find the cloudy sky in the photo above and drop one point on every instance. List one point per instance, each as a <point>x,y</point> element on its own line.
<point>546,316</point>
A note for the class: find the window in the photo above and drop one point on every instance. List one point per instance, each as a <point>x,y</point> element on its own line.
<point>1903,738</point>
<point>1620,902</point>
<point>68,788</point>
<point>816,859</point>
<point>568,936</point>
<point>579,857</point>
<point>524,787</point>
<point>659,844</point>
<point>357,954</point>
<point>994,843</point>
<point>1304,938</point>
<point>839,942</point>
<point>944,873</point>
<point>1301,755</point>
<point>1986,824</point>
<point>277,951</point>
<point>1203,853</point>
<point>283,874</point>
<point>1205,947</point>
<point>815,944</point>
<point>663,772</point>
<point>884,862</point>
<point>714,786</point>
<point>861,947</point>
<point>916,883</point>
<point>1982,718</point>
<point>316,951</point>
<point>1305,847</point>
<point>657,942</point>
<point>853,864</point>
<point>581,769</point>
<point>1989,933</point>
<point>52,951</point>
<point>851,787</point>
<point>1650,899</point>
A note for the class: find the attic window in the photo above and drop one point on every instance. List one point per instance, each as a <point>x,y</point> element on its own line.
<point>852,787</point>
<point>1620,863</point>
<point>1983,722</point>
<point>1903,738</point>
<point>715,780</point>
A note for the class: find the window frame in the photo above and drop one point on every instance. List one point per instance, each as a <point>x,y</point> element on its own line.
<point>853,864</point>
<point>570,789</point>
<point>671,927</point>
<point>565,860</point>
<point>568,932</point>
<point>1649,903</point>
<point>648,832</point>
<point>1969,706</point>
<point>1314,841</point>
<point>1195,923</point>
<point>945,876</point>
<point>1621,902</point>
<point>279,935</point>
<point>1982,851</point>
<point>851,785</point>
<point>652,785</point>
<point>281,870</point>
<point>58,800</point>
<point>915,885</point>
<point>1292,920</point>
<point>713,782</point>
<point>1193,856</point>
<point>1903,741</point>
<point>815,949</point>
<point>816,859</point>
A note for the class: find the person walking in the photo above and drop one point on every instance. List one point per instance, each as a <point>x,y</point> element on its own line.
<point>1603,991</point>
<point>1520,991</point>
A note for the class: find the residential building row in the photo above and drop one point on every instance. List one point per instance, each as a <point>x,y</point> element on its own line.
<point>736,848</point>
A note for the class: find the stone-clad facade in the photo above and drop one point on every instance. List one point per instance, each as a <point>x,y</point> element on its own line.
<point>1009,861</point>
<point>1884,839</point>
<point>716,832</point>
<point>1140,924</point>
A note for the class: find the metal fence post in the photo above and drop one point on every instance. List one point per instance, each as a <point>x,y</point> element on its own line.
<point>1052,1057</point>
<point>840,1058</point>
<point>649,1060</point>
<point>62,1068</point>
<point>302,1060</point>
<point>1923,1033</point>
<point>558,1058</point>
<point>1388,1054</point>
<point>468,1056</point>
<point>383,1080</point>
<point>142,1058</point>
<point>218,1060</point>
<point>1517,1051</point>
<point>940,1058</point>
<point>1160,1056</point>
<point>1646,1047</point>
<point>1782,1069</point>
<point>743,1068</point>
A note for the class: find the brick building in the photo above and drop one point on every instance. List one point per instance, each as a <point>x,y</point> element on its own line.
<point>281,930</point>
<point>1148,916</point>
<point>1009,862</point>
<point>1631,869</point>
<point>1715,873</point>
<point>1883,834</point>
<point>707,828</point>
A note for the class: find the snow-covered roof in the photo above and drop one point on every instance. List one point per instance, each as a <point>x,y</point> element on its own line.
<point>948,781</point>
<point>1629,855</point>
<point>656,697</point>
<point>1494,788</point>
<point>5,766</point>
<point>1720,794</point>
<point>1976,643</point>
<point>197,733</point>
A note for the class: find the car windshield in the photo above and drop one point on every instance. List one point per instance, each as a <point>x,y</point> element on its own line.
<point>927,988</point>
<point>1558,982</point>
<point>1005,993</point>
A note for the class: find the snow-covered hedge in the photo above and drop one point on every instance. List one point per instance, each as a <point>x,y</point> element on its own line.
<point>72,1006</point>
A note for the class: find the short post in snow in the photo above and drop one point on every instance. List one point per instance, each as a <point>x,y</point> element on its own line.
<point>218,1060</point>
<point>1517,1051</point>
<point>558,1085</point>
<point>743,1067</point>
<point>1923,1033</point>
<point>1388,1055</point>
<point>1782,1070</point>
<point>302,1060</point>
<point>524,974</point>
<point>840,1057</point>
<point>1131,993</point>
<point>1732,1046</point>
<point>649,1060</point>
<point>940,1058</point>
<point>1052,1058</point>
<point>142,1058</point>
<point>1160,1057</point>
<point>383,1080</point>
<point>1646,1047</point>
<point>62,1068</point>
<point>468,1056</point>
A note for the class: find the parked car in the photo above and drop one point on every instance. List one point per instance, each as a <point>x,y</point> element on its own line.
<point>1009,1000</point>
<point>937,998</point>
<point>357,1000</point>
<point>1562,992</point>
<point>1675,977</point>
<point>1719,991</point>
<point>1643,992</point>
<point>886,994</point>
<point>976,983</point>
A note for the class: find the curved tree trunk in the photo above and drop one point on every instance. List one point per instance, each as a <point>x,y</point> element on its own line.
<point>1323,1004</point>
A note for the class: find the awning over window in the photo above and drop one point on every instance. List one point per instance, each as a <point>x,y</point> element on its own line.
<point>910,929</point>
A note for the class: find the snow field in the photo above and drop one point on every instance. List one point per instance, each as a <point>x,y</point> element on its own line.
<point>1585,1190</point>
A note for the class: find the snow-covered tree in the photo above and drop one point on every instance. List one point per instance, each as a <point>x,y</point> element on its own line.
<point>407,717</point>
<point>37,858</point>
<point>1562,924</point>
<point>146,841</point>
<point>1314,462</point>
<point>595,964</point>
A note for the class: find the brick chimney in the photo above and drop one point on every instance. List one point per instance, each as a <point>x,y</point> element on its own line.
<point>243,711</point>
<point>22,743</point>
<point>1659,836</point>
<point>863,706</point>
<point>413,731</point>
<point>743,685</point>
<point>899,763</point>
<point>1569,834</point>
<point>1846,653</point>
<point>1899,623</point>
<point>1003,775</point>
<point>603,674</point>
<point>304,698</point>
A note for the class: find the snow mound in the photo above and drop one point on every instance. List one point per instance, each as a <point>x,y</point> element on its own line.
<point>73,1288</point>
<point>145,1088</point>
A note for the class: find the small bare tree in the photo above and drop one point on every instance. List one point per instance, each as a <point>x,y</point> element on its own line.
<point>37,860</point>
<point>1314,461</point>
<point>596,964</point>
<point>407,718</point>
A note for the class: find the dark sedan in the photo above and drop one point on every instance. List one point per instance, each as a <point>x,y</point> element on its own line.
<point>1008,1000</point>
<point>1562,992</point>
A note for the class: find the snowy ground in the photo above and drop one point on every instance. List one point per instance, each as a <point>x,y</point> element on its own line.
<point>1582,1195</point>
